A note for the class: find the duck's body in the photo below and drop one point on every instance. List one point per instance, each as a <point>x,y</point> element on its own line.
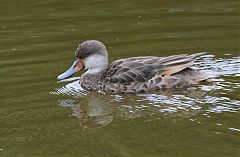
<point>143,74</point>
<point>135,74</point>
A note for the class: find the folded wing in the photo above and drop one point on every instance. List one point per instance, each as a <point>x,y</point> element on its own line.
<point>142,69</point>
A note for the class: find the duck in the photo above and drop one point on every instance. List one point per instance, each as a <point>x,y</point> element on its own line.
<point>132,75</point>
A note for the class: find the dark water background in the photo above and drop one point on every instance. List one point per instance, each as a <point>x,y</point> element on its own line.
<point>42,117</point>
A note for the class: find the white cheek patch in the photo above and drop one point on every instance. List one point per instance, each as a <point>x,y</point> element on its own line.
<point>95,63</point>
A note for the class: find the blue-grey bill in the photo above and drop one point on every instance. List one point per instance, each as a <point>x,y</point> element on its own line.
<point>73,69</point>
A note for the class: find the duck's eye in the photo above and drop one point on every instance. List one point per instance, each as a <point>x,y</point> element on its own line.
<point>87,53</point>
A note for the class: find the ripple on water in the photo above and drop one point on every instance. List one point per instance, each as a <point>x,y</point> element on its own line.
<point>220,66</point>
<point>72,89</point>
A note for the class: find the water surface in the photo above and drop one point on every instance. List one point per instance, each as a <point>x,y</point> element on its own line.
<point>40,116</point>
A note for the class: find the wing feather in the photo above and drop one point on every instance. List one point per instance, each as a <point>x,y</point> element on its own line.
<point>142,69</point>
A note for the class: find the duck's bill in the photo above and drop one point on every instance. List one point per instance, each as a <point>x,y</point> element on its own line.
<point>77,66</point>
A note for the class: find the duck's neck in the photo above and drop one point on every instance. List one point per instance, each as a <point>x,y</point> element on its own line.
<point>92,78</point>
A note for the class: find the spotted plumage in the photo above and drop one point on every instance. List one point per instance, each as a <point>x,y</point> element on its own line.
<point>150,73</point>
<point>135,74</point>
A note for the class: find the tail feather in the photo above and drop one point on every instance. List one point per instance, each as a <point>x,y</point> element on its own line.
<point>195,55</point>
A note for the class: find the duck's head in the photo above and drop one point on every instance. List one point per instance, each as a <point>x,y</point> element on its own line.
<point>91,55</point>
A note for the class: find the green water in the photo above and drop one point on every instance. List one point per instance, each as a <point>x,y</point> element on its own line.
<point>42,117</point>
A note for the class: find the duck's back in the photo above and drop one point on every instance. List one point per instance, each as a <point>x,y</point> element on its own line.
<point>150,73</point>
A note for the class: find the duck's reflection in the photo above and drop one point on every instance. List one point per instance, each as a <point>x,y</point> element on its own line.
<point>93,111</point>
<point>98,109</point>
